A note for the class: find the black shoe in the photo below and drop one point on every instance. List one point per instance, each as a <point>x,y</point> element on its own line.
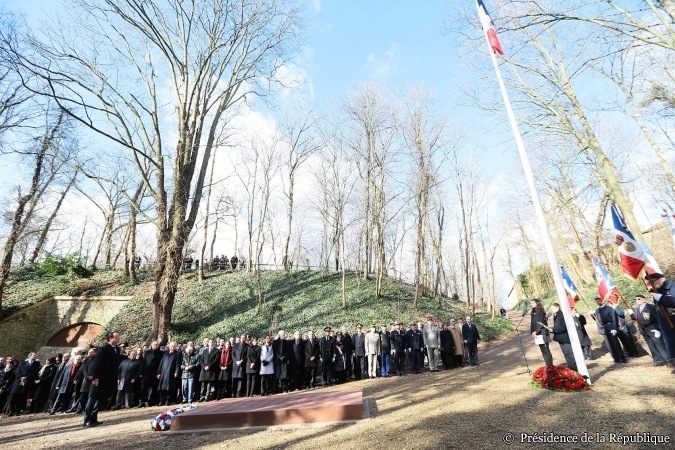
<point>92,424</point>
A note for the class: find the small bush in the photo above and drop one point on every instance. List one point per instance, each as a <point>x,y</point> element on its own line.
<point>71,265</point>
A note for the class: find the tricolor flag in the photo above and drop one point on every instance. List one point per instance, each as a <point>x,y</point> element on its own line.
<point>633,257</point>
<point>570,287</point>
<point>651,266</point>
<point>671,224</point>
<point>606,287</point>
<point>489,28</point>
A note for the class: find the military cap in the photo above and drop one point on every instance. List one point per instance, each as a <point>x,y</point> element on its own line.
<point>359,326</point>
<point>327,329</point>
<point>654,276</point>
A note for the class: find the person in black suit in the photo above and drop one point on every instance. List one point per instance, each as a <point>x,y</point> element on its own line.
<point>168,375</point>
<point>208,361</point>
<point>348,347</point>
<point>83,378</point>
<point>471,338</point>
<point>560,335</point>
<point>447,347</point>
<point>359,346</point>
<point>398,348</point>
<point>663,292</point>
<point>312,355</point>
<point>414,347</point>
<point>537,317</point>
<point>282,360</point>
<point>104,378</point>
<point>7,377</point>
<point>297,361</point>
<point>42,385</point>
<point>148,374</point>
<point>25,374</point>
<point>609,322</point>
<point>127,377</point>
<point>239,353</point>
<point>645,316</point>
<point>252,367</point>
<point>327,351</point>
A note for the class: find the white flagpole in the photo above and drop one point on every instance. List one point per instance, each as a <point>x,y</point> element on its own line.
<point>552,260</point>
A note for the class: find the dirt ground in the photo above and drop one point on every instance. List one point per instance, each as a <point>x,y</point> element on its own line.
<point>473,408</point>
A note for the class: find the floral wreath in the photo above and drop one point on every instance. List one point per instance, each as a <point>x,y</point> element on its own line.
<point>559,378</point>
<point>163,421</point>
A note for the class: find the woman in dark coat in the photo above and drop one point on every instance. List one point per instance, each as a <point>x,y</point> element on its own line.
<point>26,373</point>
<point>66,382</point>
<point>43,384</point>
<point>447,347</point>
<point>339,364</point>
<point>239,352</point>
<point>225,375</point>
<point>540,333</point>
<point>252,366</point>
<point>149,365</point>
<point>584,339</point>
<point>7,377</point>
<point>127,377</point>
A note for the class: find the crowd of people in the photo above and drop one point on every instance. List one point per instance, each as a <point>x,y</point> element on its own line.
<point>115,377</point>
<point>654,322</point>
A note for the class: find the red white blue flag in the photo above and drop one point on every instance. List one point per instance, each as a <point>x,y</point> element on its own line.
<point>570,287</point>
<point>632,255</point>
<point>606,287</point>
<point>489,28</point>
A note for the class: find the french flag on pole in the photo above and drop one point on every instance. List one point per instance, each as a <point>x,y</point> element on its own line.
<point>570,287</point>
<point>606,286</point>
<point>489,28</point>
<point>671,224</point>
<point>632,255</point>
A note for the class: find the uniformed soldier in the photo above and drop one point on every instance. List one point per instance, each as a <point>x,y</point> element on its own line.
<point>663,292</point>
<point>385,351</point>
<point>414,347</point>
<point>327,349</point>
<point>359,345</point>
<point>398,348</point>
<point>609,322</point>
<point>645,316</point>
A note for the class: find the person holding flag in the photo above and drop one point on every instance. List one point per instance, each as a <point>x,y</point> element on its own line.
<point>645,316</point>
<point>663,292</point>
<point>608,321</point>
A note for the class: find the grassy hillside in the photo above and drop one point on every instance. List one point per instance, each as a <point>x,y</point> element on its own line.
<point>226,304</point>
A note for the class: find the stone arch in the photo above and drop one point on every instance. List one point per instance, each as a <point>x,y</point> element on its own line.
<point>76,335</point>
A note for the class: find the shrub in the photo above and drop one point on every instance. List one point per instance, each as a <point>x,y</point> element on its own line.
<point>71,265</point>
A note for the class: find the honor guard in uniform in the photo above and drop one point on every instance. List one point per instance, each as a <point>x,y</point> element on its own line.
<point>359,343</point>
<point>414,347</point>
<point>663,292</point>
<point>398,348</point>
<point>327,346</point>
<point>645,316</point>
<point>385,351</point>
<point>609,322</point>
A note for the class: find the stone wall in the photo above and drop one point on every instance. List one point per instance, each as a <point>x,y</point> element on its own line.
<point>31,328</point>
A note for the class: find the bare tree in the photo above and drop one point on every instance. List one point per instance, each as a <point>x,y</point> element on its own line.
<point>149,70</point>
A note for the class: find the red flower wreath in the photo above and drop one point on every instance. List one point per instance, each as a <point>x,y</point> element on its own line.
<point>559,379</point>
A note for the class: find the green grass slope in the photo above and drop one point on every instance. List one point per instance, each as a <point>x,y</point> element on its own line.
<point>226,304</point>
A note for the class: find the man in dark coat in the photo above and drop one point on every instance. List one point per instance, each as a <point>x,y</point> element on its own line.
<point>297,360</point>
<point>312,355</point>
<point>83,378</point>
<point>624,334</point>
<point>385,351</point>
<point>645,316</point>
<point>609,322</point>
<point>414,346</point>
<point>25,374</point>
<point>561,336</point>
<point>398,348</point>
<point>168,375</point>
<point>348,347</point>
<point>239,351</point>
<point>471,338</point>
<point>327,358</point>
<point>148,374</point>
<point>447,347</point>
<point>663,292</point>
<point>281,348</point>
<point>359,345</point>
<point>127,377</point>
<point>104,378</point>
<point>208,362</point>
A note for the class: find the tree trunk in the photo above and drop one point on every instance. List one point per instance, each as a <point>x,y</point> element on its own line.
<point>202,251</point>
<point>43,234</point>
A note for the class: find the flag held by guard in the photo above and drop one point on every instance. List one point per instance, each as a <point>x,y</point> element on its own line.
<point>634,256</point>
<point>489,28</point>
<point>606,287</point>
<point>570,287</point>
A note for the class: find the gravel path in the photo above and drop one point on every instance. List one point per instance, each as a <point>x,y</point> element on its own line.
<point>473,407</point>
